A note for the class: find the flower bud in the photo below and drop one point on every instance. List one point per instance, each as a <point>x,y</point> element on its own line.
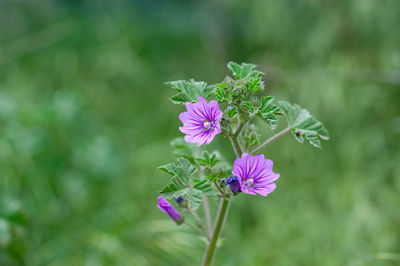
<point>182,203</point>
<point>233,183</point>
<point>166,207</point>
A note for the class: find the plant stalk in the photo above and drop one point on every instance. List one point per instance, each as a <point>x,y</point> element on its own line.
<point>223,209</point>
<point>199,224</point>
<point>217,229</point>
<point>236,147</point>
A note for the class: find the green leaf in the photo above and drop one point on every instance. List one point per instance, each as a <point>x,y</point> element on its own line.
<point>176,187</point>
<point>182,185</point>
<point>188,91</point>
<point>304,125</point>
<point>194,197</point>
<point>205,187</point>
<point>255,84</point>
<point>250,136</point>
<point>187,169</point>
<point>231,112</point>
<point>208,159</point>
<point>268,111</point>
<point>244,71</point>
<point>249,107</point>
<point>219,91</point>
<point>169,168</point>
<point>179,99</point>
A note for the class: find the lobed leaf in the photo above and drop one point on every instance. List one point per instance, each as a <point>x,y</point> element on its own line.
<point>304,125</point>
<point>205,187</point>
<point>249,107</point>
<point>244,71</point>
<point>268,111</point>
<point>182,185</point>
<point>188,91</point>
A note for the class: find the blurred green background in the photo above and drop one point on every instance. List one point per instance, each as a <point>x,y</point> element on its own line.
<point>85,121</point>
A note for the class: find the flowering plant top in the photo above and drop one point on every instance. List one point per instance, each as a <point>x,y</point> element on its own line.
<point>229,110</point>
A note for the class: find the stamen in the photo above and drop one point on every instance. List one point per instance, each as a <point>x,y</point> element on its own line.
<point>249,182</point>
<point>207,124</point>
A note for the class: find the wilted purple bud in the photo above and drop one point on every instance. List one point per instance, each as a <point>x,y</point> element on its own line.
<point>233,183</point>
<point>255,174</point>
<point>166,207</point>
<point>201,121</point>
<point>182,203</point>
<point>179,199</point>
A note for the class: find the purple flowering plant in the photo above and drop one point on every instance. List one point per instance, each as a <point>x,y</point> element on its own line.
<point>229,109</point>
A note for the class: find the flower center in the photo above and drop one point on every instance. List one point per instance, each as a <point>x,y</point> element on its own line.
<point>249,182</point>
<point>207,124</point>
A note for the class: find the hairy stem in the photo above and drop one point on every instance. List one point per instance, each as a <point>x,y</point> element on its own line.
<point>236,146</point>
<point>271,139</point>
<point>193,227</point>
<point>219,189</point>
<point>217,229</point>
<point>223,209</point>
<point>241,126</point>
<point>199,224</point>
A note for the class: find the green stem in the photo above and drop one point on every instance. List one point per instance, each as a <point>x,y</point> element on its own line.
<point>236,146</point>
<point>223,209</point>
<point>217,229</point>
<point>199,223</point>
<point>271,139</point>
<point>193,227</point>
<point>240,128</point>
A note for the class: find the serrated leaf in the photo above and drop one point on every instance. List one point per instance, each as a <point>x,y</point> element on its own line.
<point>219,91</point>
<point>244,71</point>
<point>250,136</point>
<point>188,91</point>
<point>187,168</point>
<point>231,111</point>
<point>169,168</point>
<point>179,99</point>
<point>249,106</point>
<point>176,187</point>
<point>182,171</point>
<point>182,185</point>
<point>303,125</point>
<point>255,84</point>
<point>205,187</point>
<point>195,198</point>
<point>268,111</point>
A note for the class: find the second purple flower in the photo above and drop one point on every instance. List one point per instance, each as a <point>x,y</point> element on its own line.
<point>201,121</point>
<point>254,174</point>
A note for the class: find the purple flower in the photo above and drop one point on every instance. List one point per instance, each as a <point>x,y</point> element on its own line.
<point>166,207</point>
<point>201,121</point>
<point>255,174</point>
